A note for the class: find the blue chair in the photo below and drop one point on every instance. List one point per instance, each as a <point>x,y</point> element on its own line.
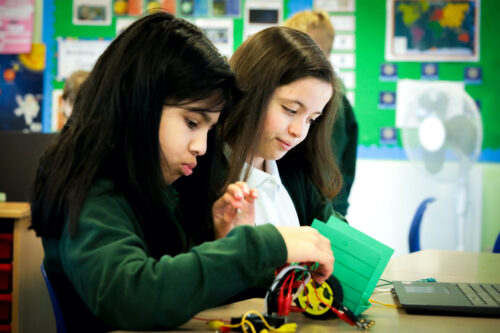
<point>496,247</point>
<point>414,236</point>
<point>56,307</point>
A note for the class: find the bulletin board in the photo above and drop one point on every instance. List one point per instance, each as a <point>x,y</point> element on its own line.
<point>359,56</point>
<point>442,30</point>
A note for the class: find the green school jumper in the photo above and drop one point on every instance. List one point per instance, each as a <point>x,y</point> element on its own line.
<point>106,279</point>
<point>345,146</point>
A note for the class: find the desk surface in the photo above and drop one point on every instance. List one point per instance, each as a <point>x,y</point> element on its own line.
<point>444,266</point>
<point>14,210</point>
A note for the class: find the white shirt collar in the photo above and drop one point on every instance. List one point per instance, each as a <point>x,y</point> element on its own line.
<point>258,177</point>
<point>274,204</point>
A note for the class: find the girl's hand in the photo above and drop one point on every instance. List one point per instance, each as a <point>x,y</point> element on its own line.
<point>305,244</point>
<point>235,207</point>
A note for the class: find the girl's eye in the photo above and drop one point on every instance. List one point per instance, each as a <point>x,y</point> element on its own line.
<point>312,120</point>
<point>191,123</point>
<point>288,110</point>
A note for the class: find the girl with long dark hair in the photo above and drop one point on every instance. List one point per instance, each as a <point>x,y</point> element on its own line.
<point>119,251</point>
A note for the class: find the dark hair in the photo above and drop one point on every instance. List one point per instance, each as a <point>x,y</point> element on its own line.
<point>267,60</point>
<point>113,131</point>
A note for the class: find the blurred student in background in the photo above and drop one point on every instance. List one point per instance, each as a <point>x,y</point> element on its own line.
<point>70,90</point>
<point>345,132</point>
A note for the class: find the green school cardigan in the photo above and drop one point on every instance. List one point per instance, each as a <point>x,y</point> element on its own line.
<point>345,145</point>
<point>106,279</point>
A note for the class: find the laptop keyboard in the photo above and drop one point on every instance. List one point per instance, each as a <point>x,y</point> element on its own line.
<point>481,294</point>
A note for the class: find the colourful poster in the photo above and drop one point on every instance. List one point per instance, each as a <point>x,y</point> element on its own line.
<point>438,30</point>
<point>16,26</point>
<point>21,83</point>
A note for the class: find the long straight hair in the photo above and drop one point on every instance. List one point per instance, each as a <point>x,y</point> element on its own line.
<point>113,130</point>
<point>269,59</point>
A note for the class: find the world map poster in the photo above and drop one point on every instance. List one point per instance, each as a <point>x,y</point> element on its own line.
<point>432,30</point>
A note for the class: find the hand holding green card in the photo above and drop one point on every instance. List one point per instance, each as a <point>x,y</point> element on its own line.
<point>359,261</point>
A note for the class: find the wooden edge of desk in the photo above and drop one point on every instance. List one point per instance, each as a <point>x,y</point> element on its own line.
<point>14,210</point>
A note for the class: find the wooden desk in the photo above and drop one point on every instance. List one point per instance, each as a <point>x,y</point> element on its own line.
<point>31,307</point>
<point>445,266</point>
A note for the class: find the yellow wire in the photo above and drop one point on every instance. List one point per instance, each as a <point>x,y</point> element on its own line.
<point>216,324</point>
<point>384,304</point>
<point>249,323</point>
<point>244,319</point>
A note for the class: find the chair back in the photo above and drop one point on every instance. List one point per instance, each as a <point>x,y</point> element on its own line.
<point>414,236</point>
<point>60,324</point>
<point>496,247</point>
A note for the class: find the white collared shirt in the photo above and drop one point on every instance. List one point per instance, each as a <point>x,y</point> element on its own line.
<point>274,205</point>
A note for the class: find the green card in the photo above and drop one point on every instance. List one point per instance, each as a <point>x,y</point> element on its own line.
<point>360,260</point>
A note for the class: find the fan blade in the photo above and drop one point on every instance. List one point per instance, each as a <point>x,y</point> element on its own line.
<point>461,134</point>
<point>433,160</point>
<point>434,101</point>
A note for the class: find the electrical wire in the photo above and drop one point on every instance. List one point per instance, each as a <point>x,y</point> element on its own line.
<point>339,313</point>
<point>211,319</point>
<point>384,304</point>
<point>246,324</point>
<point>280,278</point>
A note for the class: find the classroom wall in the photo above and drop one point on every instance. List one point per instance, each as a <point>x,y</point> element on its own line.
<point>388,188</point>
<point>386,194</point>
<point>402,187</point>
<point>384,174</point>
<point>370,51</point>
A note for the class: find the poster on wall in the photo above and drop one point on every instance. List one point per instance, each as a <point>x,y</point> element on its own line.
<point>193,7</point>
<point>91,12</point>
<point>432,30</point>
<point>58,116</point>
<point>335,5</point>
<point>226,7</point>
<point>21,86</point>
<point>261,14</point>
<point>78,54</point>
<point>220,32</point>
<point>16,26</point>
<point>197,8</point>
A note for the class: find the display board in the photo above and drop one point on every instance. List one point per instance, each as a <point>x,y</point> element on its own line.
<point>359,55</point>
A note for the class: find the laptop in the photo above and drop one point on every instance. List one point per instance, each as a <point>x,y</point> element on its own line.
<point>466,299</point>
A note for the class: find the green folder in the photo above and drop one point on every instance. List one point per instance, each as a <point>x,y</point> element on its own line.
<point>360,260</point>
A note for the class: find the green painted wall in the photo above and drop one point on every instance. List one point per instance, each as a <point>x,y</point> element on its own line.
<point>491,205</point>
<point>370,43</point>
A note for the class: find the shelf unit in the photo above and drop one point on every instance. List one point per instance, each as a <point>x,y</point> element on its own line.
<point>31,307</point>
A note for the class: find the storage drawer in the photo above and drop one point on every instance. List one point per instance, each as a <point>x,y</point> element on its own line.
<point>5,247</point>
<point>5,278</point>
<point>5,308</point>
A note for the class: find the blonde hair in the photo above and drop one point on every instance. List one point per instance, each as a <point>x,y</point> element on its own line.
<point>72,85</point>
<point>317,25</point>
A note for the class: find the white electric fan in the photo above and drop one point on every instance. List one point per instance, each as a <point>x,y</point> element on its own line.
<point>442,134</point>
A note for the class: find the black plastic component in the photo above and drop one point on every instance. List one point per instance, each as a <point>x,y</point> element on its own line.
<point>338,297</point>
<point>273,320</point>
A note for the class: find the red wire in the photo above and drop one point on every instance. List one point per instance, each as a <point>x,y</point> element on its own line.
<point>288,299</point>
<point>307,295</point>
<point>208,319</point>
<point>339,313</point>
<point>281,296</point>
